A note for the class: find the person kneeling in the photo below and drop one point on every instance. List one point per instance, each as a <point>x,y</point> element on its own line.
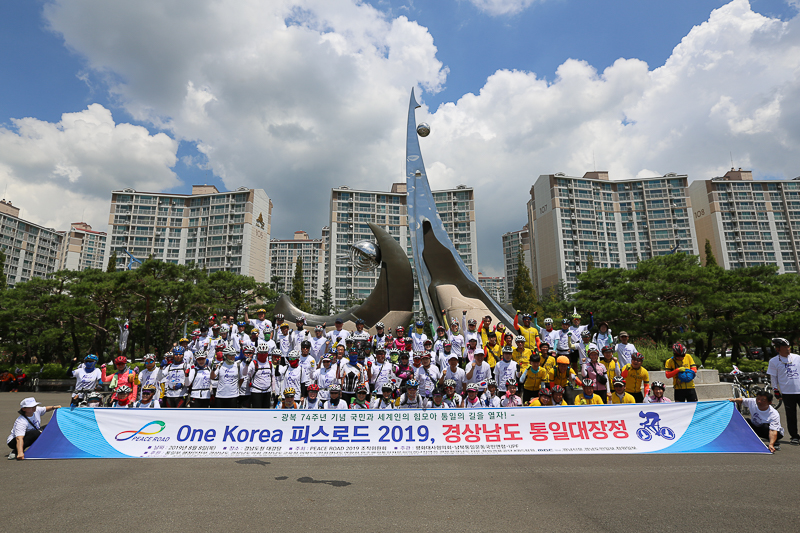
<point>619,395</point>
<point>764,419</point>
<point>288,399</point>
<point>588,397</point>
<point>27,427</point>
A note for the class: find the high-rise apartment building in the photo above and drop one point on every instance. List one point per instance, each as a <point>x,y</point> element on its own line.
<point>747,222</point>
<point>515,242</point>
<point>615,223</point>
<point>212,229</point>
<point>82,248</point>
<point>283,262</point>
<point>31,250</point>
<point>495,286</point>
<point>352,209</point>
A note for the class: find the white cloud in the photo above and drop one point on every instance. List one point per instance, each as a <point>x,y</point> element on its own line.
<point>502,7</point>
<point>297,97</point>
<point>54,170</point>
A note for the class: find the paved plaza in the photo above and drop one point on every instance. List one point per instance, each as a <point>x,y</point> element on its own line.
<point>686,492</point>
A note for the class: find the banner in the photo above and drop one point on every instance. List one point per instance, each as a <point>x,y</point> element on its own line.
<point>703,427</point>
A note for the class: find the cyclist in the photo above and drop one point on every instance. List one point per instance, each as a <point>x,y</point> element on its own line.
<point>147,400</point>
<point>586,340</point>
<point>681,368</point>
<point>403,370</point>
<point>300,334</point>
<point>576,334</point>
<point>453,372</point>
<point>528,331</point>
<point>319,344</point>
<point>521,354</point>
<point>533,379</point>
<point>784,373</point>
<point>400,339</point>
<point>360,401</point>
<point>471,400</point>
<point>469,351</point>
<point>764,419</point>
<point>437,399</point>
<point>174,379</point>
<point>635,375</point>
<point>418,336</point>
<point>505,370</point>
<point>544,399</point>
<point>312,399</point>
<point>470,329</point>
<point>324,377</point>
<point>122,397</point>
<point>563,344</point>
<point>385,400</point>
<point>288,401</point>
<point>558,395</point>
<point>230,375</point>
<point>548,356</point>
<point>87,378</point>
<point>620,395</point>
<point>410,399</point>
<point>451,399</point>
<point>511,399</point>
<point>379,339</point>
<point>456,339</point>
<point>259,323</point>
<point>603,337</point>
<point>200,381</point>
<point>588,397</point>
<point>625,349</point>
<point>294,375</point>
<point>657,394</point>
<point>428,376</point>
<point>548,334</point>
<point>350,374</point>
<point>122,375</point>
<point>95,399</point>
<point>595,371</point>
<point>490,397</point>
<point>609,361</point>
<point>335,401</point>
<point>562,374</point>
<point>261,378</point>
<point>492,350</point>
<point>151,375</point>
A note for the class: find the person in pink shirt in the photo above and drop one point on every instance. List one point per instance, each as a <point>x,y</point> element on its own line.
<point>122,376</point>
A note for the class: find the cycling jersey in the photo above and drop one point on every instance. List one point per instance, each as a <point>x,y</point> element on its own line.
<point>653,399</point>
<point>563,343</point>
<point>612,368</point>
<point>603,339</point>
<point>228,376</point>
<point>470,334</point>
<point>309,404</point>
<point>294,378</point>
<point>260,325</point>
<point>452,403</point>
<point>200,382</point>
<point>457,342</point>
<point>151,377</point>
<point>351,376</point>
<point>381,374</point>
<point>493,354</point>
<point>356,405</point>
<point>503,371</point>
<point>380,403</point>
<point>522,358</point>
<point>324,377</point>
<point>285,342</point>
<point>174,379</point>
<point>152,404</point>
<point>626,398</point>
<point>404,403</point>
<point>634,378</point>
<point>487,400</point>
<point>86,381</point>
<point>625,353</point>
<point>688,363</point>
<point>511,400</point>
<point>318,345</point>
<point>580,399</point>
<point>428,377</point>
<point>532,379</point>
<point>477,404</point>
<point>459,376</point>
<point>557,378</point>
<point>298,336</point>
<point>418,340</point>
<point>340,404</point>
<point>260,376</point>
<point>479,373</point>
<point>531,334</point>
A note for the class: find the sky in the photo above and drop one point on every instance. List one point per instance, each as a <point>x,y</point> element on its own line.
<point>298,96</point>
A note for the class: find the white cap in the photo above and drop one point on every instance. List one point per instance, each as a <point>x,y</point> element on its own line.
<point>28,402</point>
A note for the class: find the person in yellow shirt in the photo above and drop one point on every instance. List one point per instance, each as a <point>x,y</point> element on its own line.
<point>635,375</point>
<point>544,399</point>
<point>548,356</point>
<point>619,395</point>
<point>588,397</point>
<point>529,332</point>
<point>521,354</point>
<point>533,379</point>
<point>492,351</point>
<point>562,374</point>
<point>558,395</point>
<point>610,362</point>
<point>681,368</point>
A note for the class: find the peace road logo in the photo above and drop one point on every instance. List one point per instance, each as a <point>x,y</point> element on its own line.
<point>141,431</point>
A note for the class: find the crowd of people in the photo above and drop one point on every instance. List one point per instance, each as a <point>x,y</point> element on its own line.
<point>250,364</point>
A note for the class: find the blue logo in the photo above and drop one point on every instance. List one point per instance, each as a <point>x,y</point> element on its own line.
<point>651,427</point>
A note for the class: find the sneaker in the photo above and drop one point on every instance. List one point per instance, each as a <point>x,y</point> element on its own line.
<point>12,456</point>
<point>795,442</point>
<point>777,447</point>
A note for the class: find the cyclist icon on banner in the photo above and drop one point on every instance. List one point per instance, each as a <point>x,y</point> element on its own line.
<point>651,424</point>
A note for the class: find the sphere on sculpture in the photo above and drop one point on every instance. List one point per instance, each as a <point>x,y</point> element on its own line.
<point>423,130</point>
<point>365,256</point>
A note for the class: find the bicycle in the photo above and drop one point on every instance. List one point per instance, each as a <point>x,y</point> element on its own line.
<point>644,432</point>
<point>771,390</point>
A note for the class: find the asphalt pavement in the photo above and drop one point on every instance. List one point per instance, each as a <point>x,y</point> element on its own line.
<point>598,493</point>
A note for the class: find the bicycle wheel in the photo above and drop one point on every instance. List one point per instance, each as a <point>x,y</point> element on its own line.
<point>643,434</point>
<point>667,433</point>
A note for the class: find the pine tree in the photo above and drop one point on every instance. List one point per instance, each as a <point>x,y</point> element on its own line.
<point>711,261</point>
<point>523,297</point>
<point>298,294</point>
<point>589,262</point>
<point>3,269</point>
<point>112,262</point>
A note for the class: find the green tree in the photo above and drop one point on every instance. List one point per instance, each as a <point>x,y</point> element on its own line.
<point>298,294</point>
<point>589,262</point>
<point>3,279</point>
<point>324,306</point>
<point>112,262</point>
<point>276,284</point>
<point>711,261</point>
<point>523,296</point>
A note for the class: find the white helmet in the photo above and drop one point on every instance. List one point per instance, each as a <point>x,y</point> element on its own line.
<point>224,328</point>
<point>262,347</point>
<point>519,338</point>
<point>548,321</point>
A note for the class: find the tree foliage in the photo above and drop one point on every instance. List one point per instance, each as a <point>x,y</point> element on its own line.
<point>523,296</point>
<point>711,261</point>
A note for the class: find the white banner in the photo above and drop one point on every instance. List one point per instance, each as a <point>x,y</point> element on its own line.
<point>170,433</point>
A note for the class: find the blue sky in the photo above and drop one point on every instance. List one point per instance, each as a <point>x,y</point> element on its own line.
<point>61,58</point>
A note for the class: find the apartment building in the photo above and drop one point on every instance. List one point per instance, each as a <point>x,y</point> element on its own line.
<point>513,243</point>
<point>615,223</point>
<point>495,286</point>
<point>747,222</point>
<point>82,248</point>
<point>352,209</point>
<point>283,261</point>
<point>216,230</point>
<point>31,250</point>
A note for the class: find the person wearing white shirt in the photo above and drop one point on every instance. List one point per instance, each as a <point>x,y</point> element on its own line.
<point>456,339</point>
<point>505,370</point>
<point>458,375</point>
<point>230,375</point>
<point>428,376</point>
<point>764,419</point>
<point>478,370</point>
<point>336,401</point>
<point>625,349</point>
<point>259,323</point>
<point>418,336</point>
<point>300,334</point>
<point>147,401</point>
<point>784,373</point>
<point>27,427</point>
<point>200,382</point>
<point>319,344</point>
<point>379,372</point>
<point>337,335</point>
<point>469,329</point>
<point>325,376</point>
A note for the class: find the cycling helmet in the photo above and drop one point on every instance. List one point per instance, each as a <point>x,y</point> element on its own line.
<point>400,329</point>
<point>592,348</point>
<point>149,357</point>
<point>618,381</point>
<point>294,354</point>
<point>586,333</point>
<point>215,326</point>
<point>319,328</point>
<point>289,391</point>
<point>657,385</point>
<point>408,341</point>
<point>449,383</point>
<point>313,388</point>
<point>276,351</point>
<point>557,389</point>
<point>91,358</point>
<point>200,355</point>
<point>472,322</point>
<point>249,350</point>
<point>454,322</point>
<point>305,344</point>
<point>196,333</point>
<point>548,321</point>
<point>267,329</point>
<point>361,388</point>
<point>255,331</point>
<point>229,352</point>
<point>472,387</point>
<point>512,382</point>
<point>678,349</point>
<point>178,350</point>
<point>587,382</point>
<point>637,357</point>
<point>500,327</point>
<point>224,328</point>
<point>412,384</point>
<point>379,325</point>
<point>545,392</point>
<point>565,322</point>
<point>491,383</point>
<point>334,387</point>
<point>519,338</point>
<point>426,342</point>
<point>419,323</point>
<point>447,344</point>
<point>575,314</point>
<point>526,316</point>
<point>262,347</point>
<point>122,360</point>
<point>606,348</point>
<point>284,325</point>
<point>562,360</point>
<point>241,324</point>
<point>123,389</point>
<point>183,339</point>
<point>326,357</point>
<point>302,320</point>
<point>441,328</point>
<point>149,388</point>
<point>507,349</point>
<point>780,341</point>
<point>94,398</point>
<point>437,392</point>
<point>387,386</point>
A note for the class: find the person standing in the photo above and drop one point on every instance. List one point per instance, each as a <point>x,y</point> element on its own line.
<point>784,373</point>
<point>681,369</point>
